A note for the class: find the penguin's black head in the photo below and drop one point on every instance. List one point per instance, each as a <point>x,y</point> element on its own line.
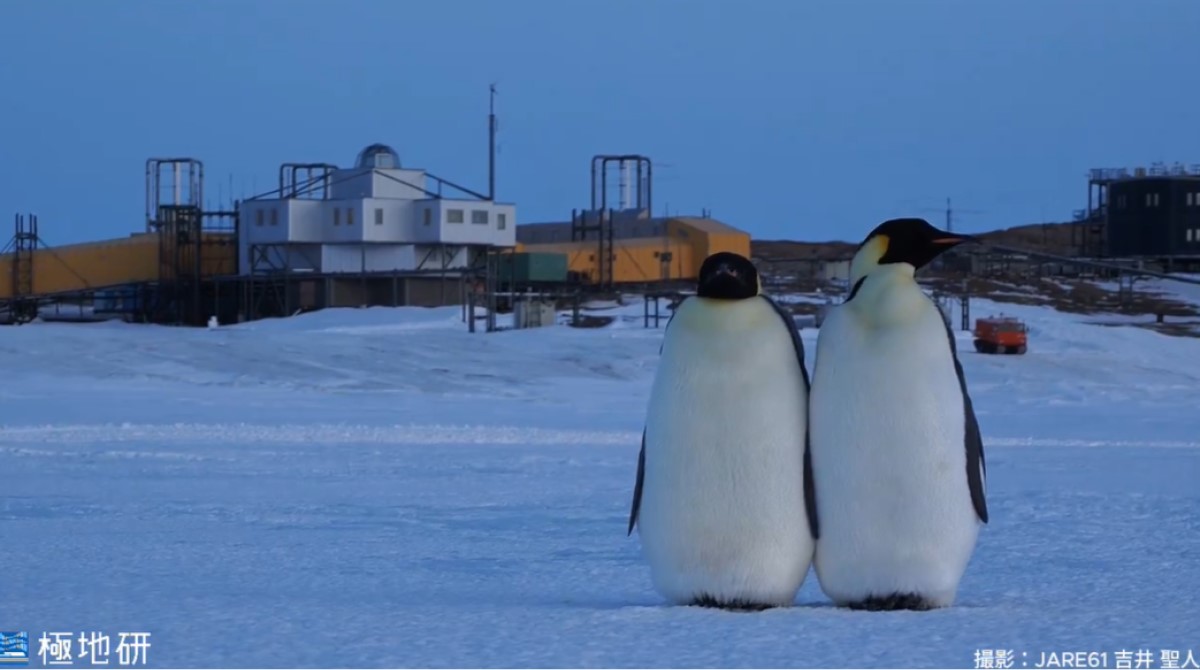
<point>910,240</point>
<point>727,276</point>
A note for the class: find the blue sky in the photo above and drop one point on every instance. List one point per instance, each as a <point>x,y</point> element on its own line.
<point>788,118</point>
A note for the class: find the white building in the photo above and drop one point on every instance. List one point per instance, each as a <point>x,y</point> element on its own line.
<point>376,217</point>
<point>834,270</point>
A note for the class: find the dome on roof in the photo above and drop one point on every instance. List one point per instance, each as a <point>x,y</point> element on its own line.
<point>378,156</point>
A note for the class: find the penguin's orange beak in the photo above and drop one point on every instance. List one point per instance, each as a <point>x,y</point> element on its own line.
<point>951,240</point>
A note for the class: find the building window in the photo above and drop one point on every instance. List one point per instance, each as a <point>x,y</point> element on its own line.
<point>349,216</point>
<point>258,217</point>
<point>274,217</point>
<point>1156,200</point>
<point>479,216</point>
<point>1191,199</point>
<point>337,216</point>
<point>1189,235</point>
<point>1149,200</point>
<point>454,216</point>
<point>379,216</point>
<point>428,217</point>
<point>501,220</point>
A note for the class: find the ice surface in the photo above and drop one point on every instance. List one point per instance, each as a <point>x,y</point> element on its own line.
<point>380,488</point>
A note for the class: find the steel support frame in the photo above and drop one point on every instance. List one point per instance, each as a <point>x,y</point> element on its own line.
<point>187,179</point>
<point>315,184</point>
<point>23,305</point>
<point>599,218</point>
<point>270,276</point>
<point>180,259</point>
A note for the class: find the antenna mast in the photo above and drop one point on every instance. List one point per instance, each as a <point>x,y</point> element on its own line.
<point>949,212</point>
<point>492,143</point>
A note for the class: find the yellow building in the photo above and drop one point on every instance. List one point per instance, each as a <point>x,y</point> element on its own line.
<point>83,267</point>
<point>644,250</point>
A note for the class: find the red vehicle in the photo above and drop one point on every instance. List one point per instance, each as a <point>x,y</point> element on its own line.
<point>1000,335</point>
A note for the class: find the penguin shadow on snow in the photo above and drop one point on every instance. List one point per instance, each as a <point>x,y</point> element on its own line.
<point>885,607</point>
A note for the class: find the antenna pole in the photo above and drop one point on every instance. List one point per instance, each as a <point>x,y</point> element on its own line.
<point>492,143</point>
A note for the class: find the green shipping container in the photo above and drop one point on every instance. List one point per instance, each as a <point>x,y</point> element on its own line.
<point>533,267</point>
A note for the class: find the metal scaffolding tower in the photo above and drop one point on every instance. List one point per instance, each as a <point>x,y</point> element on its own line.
<point>634,180</point>
<point>23,306</point>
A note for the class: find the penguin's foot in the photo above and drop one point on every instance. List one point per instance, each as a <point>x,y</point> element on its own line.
<point>735,605</point>
<point>893,601</point>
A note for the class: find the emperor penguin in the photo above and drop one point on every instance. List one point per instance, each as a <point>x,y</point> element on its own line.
<point>722,490</point>
<point>896,448</point>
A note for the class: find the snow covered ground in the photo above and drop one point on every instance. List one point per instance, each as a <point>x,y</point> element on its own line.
<point>380,488</point>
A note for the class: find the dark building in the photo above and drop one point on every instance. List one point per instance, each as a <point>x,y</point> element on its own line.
<point>1153,213</point>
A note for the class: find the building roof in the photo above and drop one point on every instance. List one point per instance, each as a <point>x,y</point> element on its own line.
<point>707,225</point>
<point>624,227</point>
<point>1155,171</point>
<point>591,245</point>
<point>627,227</point>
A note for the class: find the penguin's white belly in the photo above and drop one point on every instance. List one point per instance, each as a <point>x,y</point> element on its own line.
<point>887,429</point>
<point>723,512</point>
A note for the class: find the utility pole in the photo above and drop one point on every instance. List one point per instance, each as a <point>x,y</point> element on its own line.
<point>940,262</point>
<point>949,212</point>
<point>492,143</point>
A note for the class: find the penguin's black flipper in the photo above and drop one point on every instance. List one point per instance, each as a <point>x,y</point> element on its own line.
<point>976,464</point>
<point>810,490</point>
<point>797,343</point>
<point>669,320</point>
<point>637,487</point>
<point>641,471</point>
<point>972,439</point>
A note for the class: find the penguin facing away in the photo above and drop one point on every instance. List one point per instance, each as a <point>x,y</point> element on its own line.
<point>720,500</point>
<point>896,449</point>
